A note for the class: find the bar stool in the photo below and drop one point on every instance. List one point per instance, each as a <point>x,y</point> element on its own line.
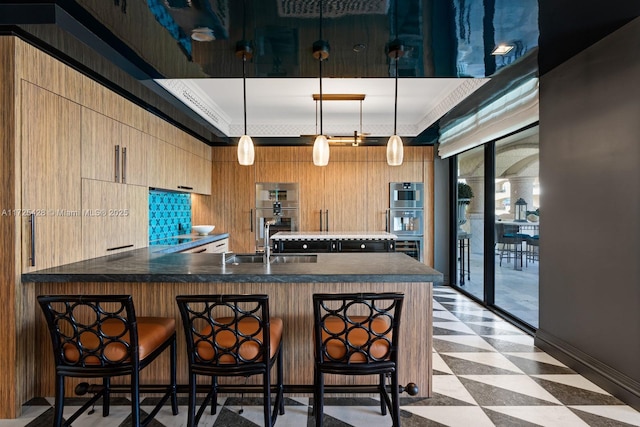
<point>232,336</point>
<point>358,334</point>
<point>99,336</point>
<point>533,248</point>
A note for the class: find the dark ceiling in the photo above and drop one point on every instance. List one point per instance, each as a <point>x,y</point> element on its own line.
<point>127,43</point>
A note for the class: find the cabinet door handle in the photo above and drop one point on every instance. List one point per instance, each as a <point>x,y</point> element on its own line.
<point>32,255</point>
<point>320,219</point>
<point>117,164</point>
<point>200,251</point>
<point>251,220</point>
<point>326,219</point>
<point>124,165</point>
<point>119,247</point>
<point>185,187</point>
<point>386,220</point>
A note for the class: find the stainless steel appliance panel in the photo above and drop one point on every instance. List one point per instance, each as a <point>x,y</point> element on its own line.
<point>287,220</point>
<point>406,195</point>
<point>284,193</point>
<point>277,201</point>
<point>406,222</point>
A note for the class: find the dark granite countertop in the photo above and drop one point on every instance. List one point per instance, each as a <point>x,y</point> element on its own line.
<point>144,265</point>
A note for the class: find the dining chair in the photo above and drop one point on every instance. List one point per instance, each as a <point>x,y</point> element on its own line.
<point>232,336</point>
<point>100,336</point>
<point>358,334</point>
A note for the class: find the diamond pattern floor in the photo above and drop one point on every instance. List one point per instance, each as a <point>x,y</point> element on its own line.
<point>486,373</point>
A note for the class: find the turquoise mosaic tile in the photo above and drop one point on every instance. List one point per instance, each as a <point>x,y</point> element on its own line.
<point>169,214</point>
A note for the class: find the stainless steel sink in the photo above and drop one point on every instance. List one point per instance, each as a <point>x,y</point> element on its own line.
<point>287,259</point>
<point>245,259</point>
<point>236,259</point>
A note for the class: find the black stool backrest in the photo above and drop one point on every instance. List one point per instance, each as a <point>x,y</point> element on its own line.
<point>357,328</point>
<point>226,331</point>
<point>92,332</point>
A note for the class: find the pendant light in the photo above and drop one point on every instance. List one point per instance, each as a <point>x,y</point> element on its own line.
<point>246,152</point>
<point>395,149</point>
<point>321,144</point>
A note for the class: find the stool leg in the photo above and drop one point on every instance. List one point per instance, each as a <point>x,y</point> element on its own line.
<point>266,390</point>
<point>59,400</point>
<point>191,417</point>
<point>135,398</point>
<point>395,399</point>
<point>106,397</point>
<point>318,403</point>
<point>174,387</point>
<point>214,395</point>
<point>383,405</point>
<point>280,382</point>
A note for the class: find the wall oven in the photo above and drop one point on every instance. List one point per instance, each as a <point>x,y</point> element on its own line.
<point>406,195</point>
<point>276,201</point>
<point>405,217</point>
<point>406,222</point>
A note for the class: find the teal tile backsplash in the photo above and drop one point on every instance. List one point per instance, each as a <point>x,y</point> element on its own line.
<point>169,214</point>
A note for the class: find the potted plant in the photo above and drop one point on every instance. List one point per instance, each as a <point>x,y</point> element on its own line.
<point>465,193</point>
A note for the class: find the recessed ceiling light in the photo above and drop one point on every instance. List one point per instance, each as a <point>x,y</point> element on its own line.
<point>502,49</point>
<point>202,34</point>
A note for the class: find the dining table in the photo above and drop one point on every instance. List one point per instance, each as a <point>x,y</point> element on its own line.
<point>525,229</point>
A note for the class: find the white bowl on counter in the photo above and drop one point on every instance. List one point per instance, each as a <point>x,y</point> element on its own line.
<point>202,230</point>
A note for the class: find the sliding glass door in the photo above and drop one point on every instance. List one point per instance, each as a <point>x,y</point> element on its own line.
<point>517,226</point>
<point>497,236</point>
<point>470,222</point>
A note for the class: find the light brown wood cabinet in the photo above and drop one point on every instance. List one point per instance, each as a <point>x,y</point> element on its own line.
<point>334,196</point>
<point>219,246</point>
<point>112,151</point>
<point>231,204</point>
<point>115,218</point>
<point>51,204</point>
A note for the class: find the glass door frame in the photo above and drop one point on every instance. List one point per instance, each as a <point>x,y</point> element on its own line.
<point>489,288</point>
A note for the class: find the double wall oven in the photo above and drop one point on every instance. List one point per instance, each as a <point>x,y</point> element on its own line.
<point>279,202</point>
<point>406,217</point>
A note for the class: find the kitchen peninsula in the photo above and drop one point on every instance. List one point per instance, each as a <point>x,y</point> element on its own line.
<point>154,279</point>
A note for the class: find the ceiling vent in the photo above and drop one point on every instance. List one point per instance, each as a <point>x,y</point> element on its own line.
<point>331,8</point>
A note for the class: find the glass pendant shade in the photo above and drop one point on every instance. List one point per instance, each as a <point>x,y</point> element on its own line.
<point>321,151</point>
<point>395,151</point>
<point>246,153</point>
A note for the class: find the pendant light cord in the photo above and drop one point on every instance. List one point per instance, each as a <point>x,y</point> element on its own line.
<point>244,62</point>
<point>395,103</point>
<point>320,60</point>
<point>244,89</point>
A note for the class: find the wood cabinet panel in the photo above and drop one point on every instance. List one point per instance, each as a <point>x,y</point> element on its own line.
<point>50,179</point>
<point>160,163</point>
<point>115,218</point>
<point>312,190</point>
<point>101,137</point>
<point>135,156</point>
<point>219,246</point>
<point>232,203</point>
<point>377,195</point>
<point>345,196</point>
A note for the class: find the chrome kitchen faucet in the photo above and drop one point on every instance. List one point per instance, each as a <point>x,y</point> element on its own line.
<point>267,245</point>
